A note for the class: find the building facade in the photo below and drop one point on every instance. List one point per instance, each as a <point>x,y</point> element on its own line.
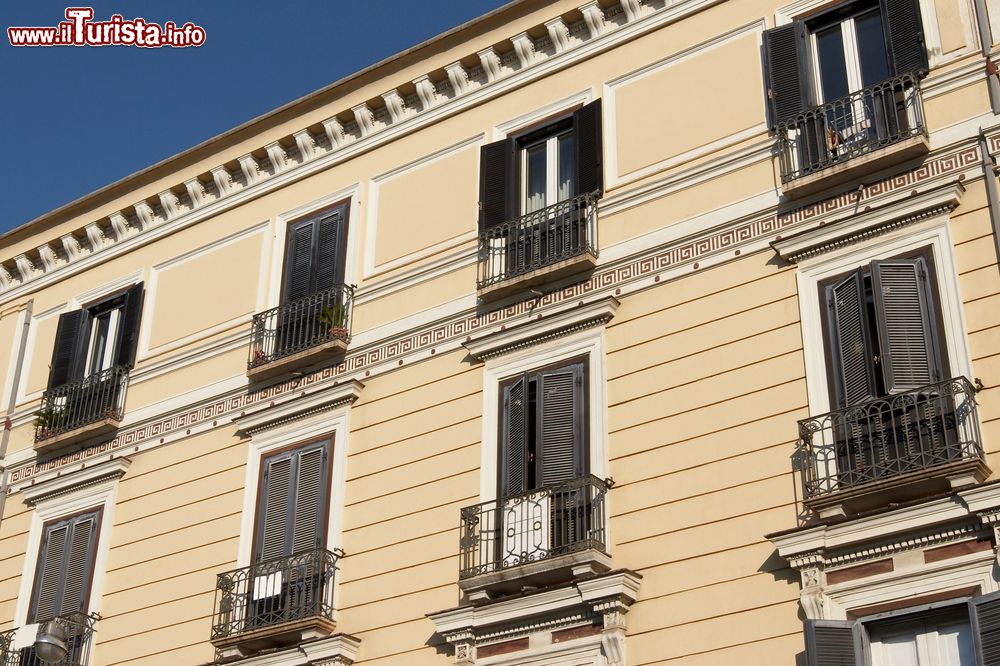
<point>639,332</point>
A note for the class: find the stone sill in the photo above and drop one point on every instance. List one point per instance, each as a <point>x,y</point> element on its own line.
<point>77,436</point>
<point>274,636</point>
<point>303,359</point>
<point>578,264</point>
<point>541,573</point>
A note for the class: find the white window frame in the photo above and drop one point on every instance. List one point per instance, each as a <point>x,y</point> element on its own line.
<point>926,642</point>
<point>551,168</point>
<point>57,498</point>
<point>852,59</point>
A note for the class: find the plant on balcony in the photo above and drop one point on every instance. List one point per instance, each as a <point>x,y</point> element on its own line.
<point>48,421</point>
<point>334,317</point>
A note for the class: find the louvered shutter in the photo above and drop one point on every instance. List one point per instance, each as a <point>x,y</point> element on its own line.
<point>310,493</point>
<point>906,334</point>
<point>48,577</point>
<point>275,496</point>
<point>589,149</point>
<point>129,328</point>
<point>514,451</point>
<point>904,36</point>
<point>66,362</point>
<point>984,612</point>
<point>299,261</point>
<point>852,344</point>
<point>497,189</point>
<point>65,562</point>
<point>79,562</point>
<point>786,67</point>
<point>328,252</point>
<point>834,643</point>
<point>560,422</point>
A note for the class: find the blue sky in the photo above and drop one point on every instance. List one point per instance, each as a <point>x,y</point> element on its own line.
<point>76,119</point>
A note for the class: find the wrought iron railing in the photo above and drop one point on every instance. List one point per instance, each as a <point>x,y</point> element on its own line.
<point>75,631</point>
<point>539,239</point>
<point>889,437</point>
<point>533,526</point>
<point>273,592</point>
<point>301,324</point>
<point>850,127</point>
<point>70,406</point>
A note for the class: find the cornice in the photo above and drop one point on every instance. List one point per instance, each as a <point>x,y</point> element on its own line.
<point>104,472</point>
<point>296,406</point>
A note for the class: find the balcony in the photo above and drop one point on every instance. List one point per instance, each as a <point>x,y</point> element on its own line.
<point>275,603</point>
<point>300,333</point>
<point>893,449</point>
<point>76,631</point>
<point>546,536</point>
<point>546,245</point>
<point>852,137</point>
<point>81,411</point>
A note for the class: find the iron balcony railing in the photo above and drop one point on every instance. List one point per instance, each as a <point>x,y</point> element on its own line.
<point>539,239</point>
<point>76,631</point>
<point>70,406</point>
<point>850,127</point>
<point>889,437</point>
<point>533,526</point>
<point>273,592</point>
<point>301,324</point>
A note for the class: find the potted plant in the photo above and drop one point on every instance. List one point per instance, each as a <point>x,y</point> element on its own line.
<point>334,317</point>
<point>47,421</point>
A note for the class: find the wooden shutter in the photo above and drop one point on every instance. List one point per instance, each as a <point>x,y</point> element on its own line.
<point>786,71</point>
<point>310,493</point>
<point>328,262</point>
<point>852,344</point>
<point>275,497</point>
<point>514,449</point>
<point>497,191</point>
<point>561,424</point>
<point>66,354</point>
<point>65,562</point>
<point>589,149</point>
<point>904,36</point>
<point>299,261</point>
<point>906,335</point>
<point>984,612</point>
<point>834,643</point>
<point>128,336</point>
<point>293,500</point>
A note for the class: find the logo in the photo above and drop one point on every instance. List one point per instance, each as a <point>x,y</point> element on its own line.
<point>79,29</point>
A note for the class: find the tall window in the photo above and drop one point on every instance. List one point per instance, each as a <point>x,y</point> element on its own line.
<point>315,253</point>
<point>850,52</point>
<point>548,165</point>
<point>65,566</point>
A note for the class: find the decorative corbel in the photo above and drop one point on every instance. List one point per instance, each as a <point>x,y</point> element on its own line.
<point>810,566</point>
<point>250,169</point>
<point>145,214</point>
<point>593,16</point>
<point>365,118</point>
<point>558,33</point>
<point>613,612</point>
<point>6,279</point>
<point>464,641</point>
<point>96,237</point>
<point>71,245</point>
<point>120,225</point>
<point>48,257</point>
<point>25,267</point>
<point>306,144</point>
<point>223,180</point>
<point>991,520</point>
<point>334,132</point>
<point>633,9</point>
<point>491,63</point>
<point>458,77</point>
<point>425,91</point>
<point>196,192</point>
<point>524,47</point>
<point>395,105</point>
<point>278,157</point>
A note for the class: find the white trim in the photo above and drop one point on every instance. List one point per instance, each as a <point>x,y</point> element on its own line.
<point>19,334</point>
<point>580,652</point>
<point>63,497</point>
<point>508,127</point>
<point>613,177</point>
<point>371,269</point>
<point>148,311</point>
<point>589,342</point>
<point>97,293</point>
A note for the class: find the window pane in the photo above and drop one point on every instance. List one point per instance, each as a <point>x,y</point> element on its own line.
<point>99,342</point>
<point>534,178</point>
<point>898,650</point>
<point>955,645</point>
<point>871,48</point>
<point>567,167</point>
<point>832,65</point>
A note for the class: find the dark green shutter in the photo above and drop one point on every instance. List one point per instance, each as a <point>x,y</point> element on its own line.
<point>497,189</point>
<point>67,364</point>
<point>129,327</point>
<point>852,344</point>
<point>906,332</point>
<point>589,149</point>
<point>786,71</point>
<point>984,612</point>
<point>299,261</point>
<point>834,643</point>
<point>561,424</point>
<point>514,448</point>
<point>904,36</point>
<point>293,500</point>
<point>65,562</point>
<point>329,251</point>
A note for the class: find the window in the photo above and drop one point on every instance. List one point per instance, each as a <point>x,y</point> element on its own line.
<point>850,52</point>
<point>65,566</point>
<point>548,168</point>
<point>954,633</point>
<point>315,253</point>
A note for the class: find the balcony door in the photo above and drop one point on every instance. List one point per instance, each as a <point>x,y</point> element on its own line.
<point>543,450</point>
